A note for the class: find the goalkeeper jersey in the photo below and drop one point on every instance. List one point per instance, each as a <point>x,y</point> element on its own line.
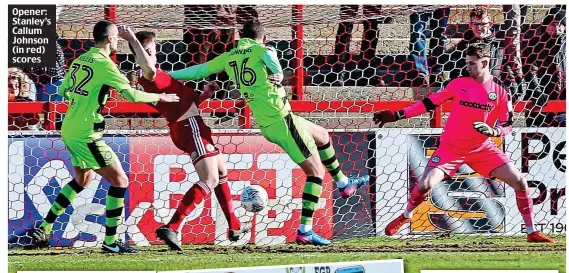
<point>86,86</point>
<point>472,101</point>
<point>248,65</point>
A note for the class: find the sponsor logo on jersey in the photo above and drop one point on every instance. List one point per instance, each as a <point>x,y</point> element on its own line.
<point>436,159</point>
<point>477,105</point>
<point>108,155</point>
<point>248,96</point>
<point>492,96</point>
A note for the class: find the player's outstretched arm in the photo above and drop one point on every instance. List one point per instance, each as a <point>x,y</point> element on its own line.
<point>271,60</point>
<point>142,58</point>
<point>419,108</point>
<point>134,95</point>
<point>202,70</point>
<point>116,80</point>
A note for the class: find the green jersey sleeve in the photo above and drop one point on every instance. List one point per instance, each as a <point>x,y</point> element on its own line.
<point>201,71</point>
<point>119,82</point>
<point>272,61</point>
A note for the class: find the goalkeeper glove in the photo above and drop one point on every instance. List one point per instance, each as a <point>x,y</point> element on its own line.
<point>485,129</point>
<point>385,116</point>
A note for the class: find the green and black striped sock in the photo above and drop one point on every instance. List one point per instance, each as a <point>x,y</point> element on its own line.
<point>62,201</point>
<point>328,157</point>
<point>115,204</point>
<point>312,192</point>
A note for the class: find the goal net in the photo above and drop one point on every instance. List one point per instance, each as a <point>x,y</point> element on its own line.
<point>341,64</point>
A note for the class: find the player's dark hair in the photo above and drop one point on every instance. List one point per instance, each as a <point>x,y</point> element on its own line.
<point>101,30</point>
<point>479,50</point>
<point>143,37</point>
<point>478,13</point>
<point>253,30</point>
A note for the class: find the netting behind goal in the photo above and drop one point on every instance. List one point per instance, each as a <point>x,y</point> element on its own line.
<point>341,64</point>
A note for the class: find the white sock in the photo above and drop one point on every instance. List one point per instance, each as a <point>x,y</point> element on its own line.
<point>343,182</point>
<point>407,214</point>
<point>304,228</point>
<point>530,230</point>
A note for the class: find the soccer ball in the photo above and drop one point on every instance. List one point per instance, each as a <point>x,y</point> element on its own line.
<point>254,198</point>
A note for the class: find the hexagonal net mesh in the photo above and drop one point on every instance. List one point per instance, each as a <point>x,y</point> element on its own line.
<point>341,63</point>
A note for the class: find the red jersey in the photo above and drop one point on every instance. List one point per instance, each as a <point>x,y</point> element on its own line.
<point>172,111</point>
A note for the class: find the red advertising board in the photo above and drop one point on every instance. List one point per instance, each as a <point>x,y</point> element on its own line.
<point>160,174</point>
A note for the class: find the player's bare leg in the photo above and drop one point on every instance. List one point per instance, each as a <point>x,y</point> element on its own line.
<point>209,178</point>
<point>314,171</point>
<point>116,176</point>
<point>83,178</point>
<point>223,194</point>
<point>428,180</point>
<point>514,178</point>
<point>346,185</point>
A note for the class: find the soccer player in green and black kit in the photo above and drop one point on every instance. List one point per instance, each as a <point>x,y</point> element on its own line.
<point>86,86</point>
<point>256,71</point>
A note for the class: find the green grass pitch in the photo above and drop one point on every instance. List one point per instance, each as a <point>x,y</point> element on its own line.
<point>456,252</point>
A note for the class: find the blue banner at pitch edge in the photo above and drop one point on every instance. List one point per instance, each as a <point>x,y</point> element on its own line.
<point>38,168</point>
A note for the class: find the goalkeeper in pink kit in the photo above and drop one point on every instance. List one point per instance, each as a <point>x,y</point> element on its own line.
<point>481,108</point>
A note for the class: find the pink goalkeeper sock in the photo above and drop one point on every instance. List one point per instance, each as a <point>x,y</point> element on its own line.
<point>525,206</point>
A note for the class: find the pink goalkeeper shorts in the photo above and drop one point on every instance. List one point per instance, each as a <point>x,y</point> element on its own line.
<point>482,160</point>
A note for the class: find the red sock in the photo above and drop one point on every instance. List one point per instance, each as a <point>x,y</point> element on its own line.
<point>192,198</point>
<point>525,206</point>
<point>223,194</point>
<point>415,199</point>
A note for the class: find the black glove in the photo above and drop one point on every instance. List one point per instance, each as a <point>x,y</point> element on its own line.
<point>384,116</point>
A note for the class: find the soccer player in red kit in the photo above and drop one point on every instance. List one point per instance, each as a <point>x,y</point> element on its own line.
<point>478,102</point>
<point>190,134</point>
